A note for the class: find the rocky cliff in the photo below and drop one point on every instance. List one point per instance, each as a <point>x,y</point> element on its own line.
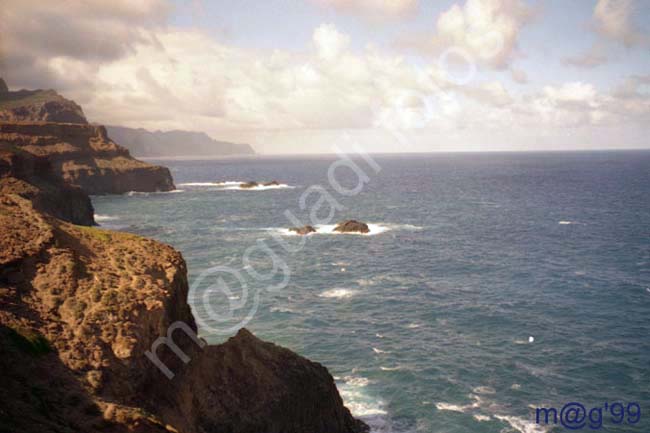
<point>32,177</point>
<point>141,142</point>
<point>82,155</point>
<point>79,308</point>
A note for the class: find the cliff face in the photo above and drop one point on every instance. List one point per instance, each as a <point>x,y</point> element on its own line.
<point>141,142</point>
<point>82,155</point>
<point>32,177</point>
<point>80,306</point>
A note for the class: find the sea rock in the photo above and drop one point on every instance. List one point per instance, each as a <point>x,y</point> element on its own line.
<point>3,86</point>
<point>352,226</point>
<point>80,307</point>
<point>82,155</point>
<point>305,230</point>
<point>272,183</point>
<point>250,184</point>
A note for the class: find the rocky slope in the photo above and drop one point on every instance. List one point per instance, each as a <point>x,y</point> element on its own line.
<point>37,106</point>
<point>141,142</point>
<point>82,155</point>
<point>80,306</point>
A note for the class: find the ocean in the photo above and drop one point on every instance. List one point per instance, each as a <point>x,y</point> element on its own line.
<point>490,285</point>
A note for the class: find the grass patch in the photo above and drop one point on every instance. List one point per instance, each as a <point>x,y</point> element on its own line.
<point>21,98</point>
<point>99,234</point>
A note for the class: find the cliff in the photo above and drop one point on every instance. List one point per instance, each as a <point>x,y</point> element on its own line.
<point>79,308</point>
<point>32,177</point>
<point>141,142</point>
<point>82,155</point>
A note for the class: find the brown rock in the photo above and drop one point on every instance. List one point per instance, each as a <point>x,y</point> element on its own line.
<point>305,230</point>
<point>82,155</point>
<point>352,226</point>
<point>38,106</point>
<point>250,184</point>
<point>74,331</point>
<point>272,183</point>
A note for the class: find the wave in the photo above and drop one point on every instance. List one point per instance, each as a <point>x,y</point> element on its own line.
<point>100,218</point>
<point>521,425</point>
<point>135,193</point>
<point>362,404</point>
<point>382,368</point>
<point>565,223</point>
<point>281,310</point>
<point>338,293</point>
<point>233,185</point>
<point>378,351</point>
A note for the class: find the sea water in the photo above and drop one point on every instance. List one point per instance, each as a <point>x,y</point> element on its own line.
<point>489,285</point>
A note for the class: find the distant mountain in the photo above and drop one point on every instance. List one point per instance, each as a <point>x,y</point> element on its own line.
<point>174,143</point>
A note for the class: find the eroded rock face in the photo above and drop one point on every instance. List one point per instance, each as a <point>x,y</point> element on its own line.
<point>32,177</point>
<point>352,226</point>
<point>272,183</point>
<point>82,155</point>
<point>80,306</point>
<point>305,230</point>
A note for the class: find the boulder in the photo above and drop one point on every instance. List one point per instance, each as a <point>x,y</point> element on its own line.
<point>250,184</point>
<point>305,230</point>
<point>272,183</point>
<point>352,226</point>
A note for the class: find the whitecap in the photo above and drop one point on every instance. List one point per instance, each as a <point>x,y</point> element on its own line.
<point>281,310</point>
<point>479,417</point>
<point>565,223</point>
<point>381,335</point>
<point>100,218</point>
<point>338,293</point>
<point>413,326</point>
<point>520,424</point>
<point>515,386</point>
<point>484,390</point>
<point>397,367</point>
<point>452,407</point>
<point>378,351</point>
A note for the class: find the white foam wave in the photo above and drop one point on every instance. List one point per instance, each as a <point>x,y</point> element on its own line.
<point>378,351</point>
<point>338,293</point>
<point>413,326</point>
<point>135,193</point>
<point>521,425</point>
<point>281,310</point>
<point>484,390</point>
<point>100,218</point>
<point>479,417</point>
<point>236,185</point>
<point>565,223</point>
<point>397,367</point>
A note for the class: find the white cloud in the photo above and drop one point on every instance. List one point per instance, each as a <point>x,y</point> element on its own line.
<point>487,29</point>
<point>373,8</point>
<point>330,43</point>
<point>614,20</point>
<point>593,58</point>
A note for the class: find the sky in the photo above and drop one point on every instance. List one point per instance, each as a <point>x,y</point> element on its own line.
<point>289,76</point>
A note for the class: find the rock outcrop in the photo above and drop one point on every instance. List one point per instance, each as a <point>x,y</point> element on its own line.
<point>352,226</point>
<point>82,155</point>
<point>38,106</point>
<point>3,86</point>
<point>253,184</point>
<point>141,142</point>
<point>304,230</point>
<point>32,177</point>
<point>79,308</point>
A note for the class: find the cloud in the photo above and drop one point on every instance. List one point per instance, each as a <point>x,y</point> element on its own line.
<point>591,59</point>
<point>488,30</point>
<point>613,19</point>
<point>519,75</point>
<point>330,43</point>
<point>92,32</point>
<point>373,8</point>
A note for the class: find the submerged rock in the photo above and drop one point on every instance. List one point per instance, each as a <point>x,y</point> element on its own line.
<point>352,226</point>
<point>305,230</point>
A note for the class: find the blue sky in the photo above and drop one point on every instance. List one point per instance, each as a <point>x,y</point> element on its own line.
<point>293,76</point>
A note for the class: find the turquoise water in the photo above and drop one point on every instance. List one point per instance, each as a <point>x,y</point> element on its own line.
<point>427,324</point>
